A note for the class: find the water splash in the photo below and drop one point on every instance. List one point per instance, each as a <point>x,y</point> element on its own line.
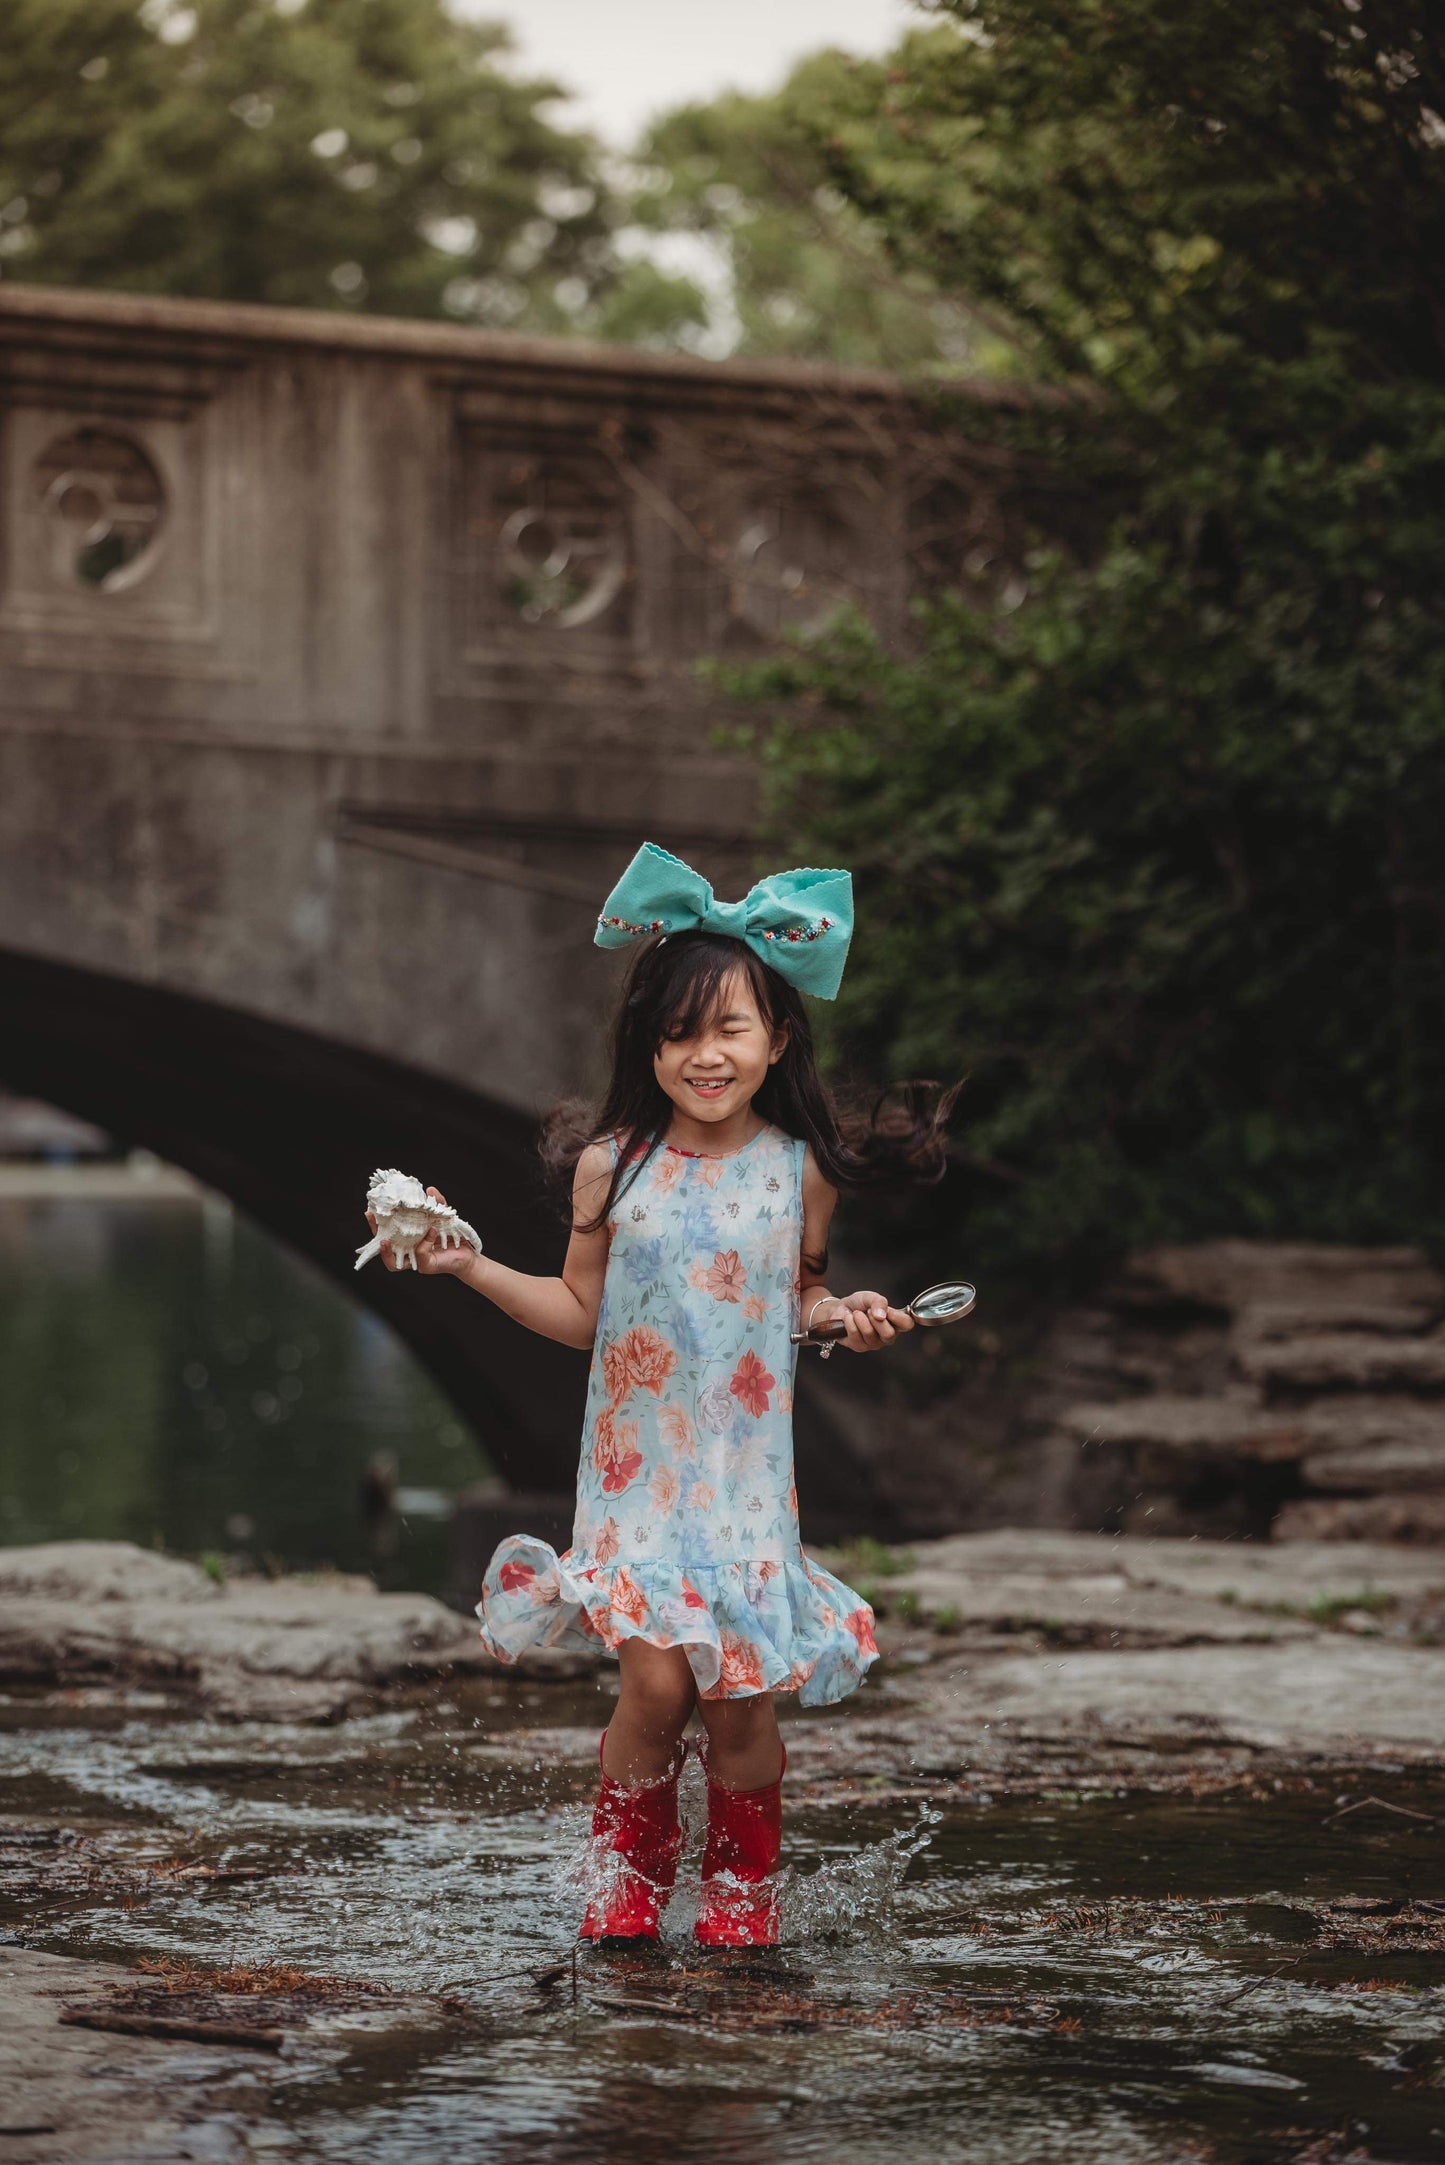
<point>854,1898</point>
<point>840,1900</point>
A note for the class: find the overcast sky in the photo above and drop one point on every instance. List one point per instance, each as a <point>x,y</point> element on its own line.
<point>631,59</point>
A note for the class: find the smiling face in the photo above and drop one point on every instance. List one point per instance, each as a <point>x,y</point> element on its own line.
<point>714,1075</point>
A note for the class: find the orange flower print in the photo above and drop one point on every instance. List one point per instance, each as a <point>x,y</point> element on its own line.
<point>742,1670</point>
<point>701,1496</point>
<point>614,1373</point>
<point>513,1577</point>
<point>675,1424</point>
<point>697,1277</point>
<point>691,1595</point>
<point>667,1170</point>
<point>799,1674</point>
<point>710,1170</point>
<point>641,1360</point>
<point>726,1278</point>
<point>665,1488</point>
<point>860,1623</point>
<point>615,1453</point>
<point>750,1384</point>
<point>649,1358</point>
<point>785,1399</point>
<point>604,1547</point>
<point>755,1307</point>
<point>627,1598</point>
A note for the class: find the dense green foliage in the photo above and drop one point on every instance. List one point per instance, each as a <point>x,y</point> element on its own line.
<point>360,153</point>
<point>799,272</point>
<point>1155,857</point>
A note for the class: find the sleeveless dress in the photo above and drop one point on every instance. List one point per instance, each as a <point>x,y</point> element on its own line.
<point>687,1515</point>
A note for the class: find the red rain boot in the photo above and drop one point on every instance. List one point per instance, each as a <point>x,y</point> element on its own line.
<point>640,1827</point>
<point>744,1839</point>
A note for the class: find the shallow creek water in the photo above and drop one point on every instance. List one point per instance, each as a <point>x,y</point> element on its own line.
<point>1084,1977</point>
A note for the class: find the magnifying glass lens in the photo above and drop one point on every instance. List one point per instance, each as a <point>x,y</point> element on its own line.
<point>942,1303</point>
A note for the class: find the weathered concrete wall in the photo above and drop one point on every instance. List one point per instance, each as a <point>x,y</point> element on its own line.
<point>342,665</point>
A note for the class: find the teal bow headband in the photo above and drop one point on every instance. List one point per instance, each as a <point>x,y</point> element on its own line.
<point>799,923</point>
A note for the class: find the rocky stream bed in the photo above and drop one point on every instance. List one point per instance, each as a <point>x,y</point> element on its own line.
<point>1129,1849</point>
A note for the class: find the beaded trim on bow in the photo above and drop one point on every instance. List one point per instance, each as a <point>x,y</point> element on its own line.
<point>786,932</point>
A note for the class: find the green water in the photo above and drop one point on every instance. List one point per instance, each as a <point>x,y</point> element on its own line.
<point>172,1376</point>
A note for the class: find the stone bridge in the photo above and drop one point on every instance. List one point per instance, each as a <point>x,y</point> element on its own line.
<point>343,663</point>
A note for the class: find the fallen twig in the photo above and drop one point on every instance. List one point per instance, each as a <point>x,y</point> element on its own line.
<point>671,2010</point>
<point>1381,1804</point>
<point>197,2033</point>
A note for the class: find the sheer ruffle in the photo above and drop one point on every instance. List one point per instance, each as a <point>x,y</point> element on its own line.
<point>745,1627</point>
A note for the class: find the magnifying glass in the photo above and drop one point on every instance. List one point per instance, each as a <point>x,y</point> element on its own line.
<point>936,1304</point>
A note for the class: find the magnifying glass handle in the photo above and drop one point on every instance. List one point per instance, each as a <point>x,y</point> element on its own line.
<point>823,1334</point>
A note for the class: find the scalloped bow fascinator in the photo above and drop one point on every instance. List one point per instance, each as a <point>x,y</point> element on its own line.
<point>799,923</point>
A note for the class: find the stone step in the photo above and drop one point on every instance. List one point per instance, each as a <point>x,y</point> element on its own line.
<point>1261,1321</point>
<point>1355,1420</point>
<point>1235,1274</point>
<point>1190,1432</point>
<point>1346,1360</point>
<point>1418,1518</point>
<point>1371,1468</point>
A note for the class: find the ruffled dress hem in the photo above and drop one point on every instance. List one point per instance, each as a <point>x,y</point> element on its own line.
<point>746,1627</point>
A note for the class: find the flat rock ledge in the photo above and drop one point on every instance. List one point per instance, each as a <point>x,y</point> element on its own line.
<point>1128,1590</point>
<point>308,1648</point>
<point>1226,1621</point>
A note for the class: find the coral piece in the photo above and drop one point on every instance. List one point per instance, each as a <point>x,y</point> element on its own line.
<point>405,1214</point>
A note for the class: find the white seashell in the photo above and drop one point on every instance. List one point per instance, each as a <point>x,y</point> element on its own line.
<point>405,1214</point>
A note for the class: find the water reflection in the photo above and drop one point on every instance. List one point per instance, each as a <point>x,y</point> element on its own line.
<point>173,1375</point>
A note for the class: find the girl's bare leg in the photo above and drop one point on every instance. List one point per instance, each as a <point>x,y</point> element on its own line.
<point>653,1708</point>
<point>744,1750</point>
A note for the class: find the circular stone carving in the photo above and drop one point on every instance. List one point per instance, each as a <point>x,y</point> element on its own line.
<point>105,505</point>
<point>791,569</point>
<point>556,576</point>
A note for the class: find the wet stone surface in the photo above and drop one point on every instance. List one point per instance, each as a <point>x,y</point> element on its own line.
<point>999,1945</point>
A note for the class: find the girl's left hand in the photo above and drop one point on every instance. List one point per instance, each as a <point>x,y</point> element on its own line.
<point>870,1323</point>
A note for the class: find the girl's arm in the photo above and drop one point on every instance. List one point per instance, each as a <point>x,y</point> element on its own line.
<point>869,1321</point>
<point>563,1308</point>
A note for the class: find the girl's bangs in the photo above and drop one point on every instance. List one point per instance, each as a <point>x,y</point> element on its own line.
<point>691,992</point>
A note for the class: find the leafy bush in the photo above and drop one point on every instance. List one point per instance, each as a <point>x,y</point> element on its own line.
<point>1154,858</point>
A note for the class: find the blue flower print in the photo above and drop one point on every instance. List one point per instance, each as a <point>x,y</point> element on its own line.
<point>642,1261</point>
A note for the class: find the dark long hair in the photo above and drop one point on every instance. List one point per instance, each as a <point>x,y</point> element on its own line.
<point>672,988</point>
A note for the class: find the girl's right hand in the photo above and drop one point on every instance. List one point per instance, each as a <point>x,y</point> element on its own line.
<point>432,1259</point>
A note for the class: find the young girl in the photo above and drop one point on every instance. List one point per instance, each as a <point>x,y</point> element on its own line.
<point>701,1199</point>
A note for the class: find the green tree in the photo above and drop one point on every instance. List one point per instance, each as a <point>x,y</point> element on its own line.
<point>1154,858</point>
<point>341,153</point>
<point>797,272</point>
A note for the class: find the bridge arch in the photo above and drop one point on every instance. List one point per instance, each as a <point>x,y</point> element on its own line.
<point>282,1120</point>
<point>287,1124</point>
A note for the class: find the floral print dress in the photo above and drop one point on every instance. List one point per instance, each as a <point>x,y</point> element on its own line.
<point>687,1515</point>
